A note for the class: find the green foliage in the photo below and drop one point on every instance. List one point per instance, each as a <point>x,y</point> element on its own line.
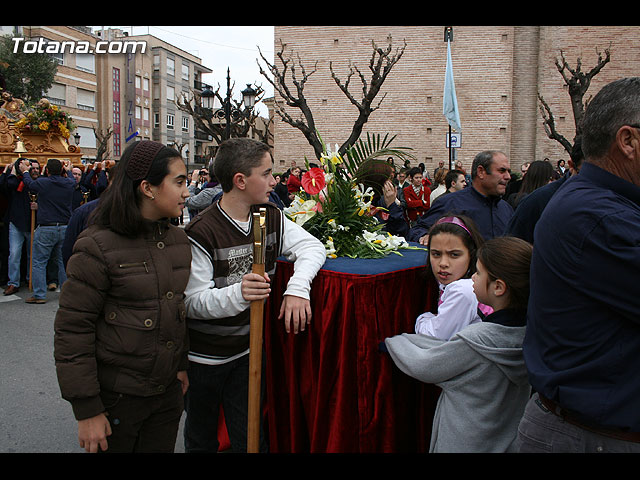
<point>374,148</point>
<point>342,218</point>
<point>28,76</point>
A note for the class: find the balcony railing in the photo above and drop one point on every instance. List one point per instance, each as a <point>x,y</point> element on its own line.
<point>200,85</point>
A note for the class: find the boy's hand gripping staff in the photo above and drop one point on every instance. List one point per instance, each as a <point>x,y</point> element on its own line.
<point>255,336</point>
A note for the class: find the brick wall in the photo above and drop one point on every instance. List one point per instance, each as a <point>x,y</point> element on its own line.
<point>498,72</point>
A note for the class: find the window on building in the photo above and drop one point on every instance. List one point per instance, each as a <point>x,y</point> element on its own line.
<point>87,137</point>
<point>57,94</point>
<point>146,114</point>
<point>185,124</point>
<point>86,100</point>
<point>138,82</point>
<point>86,62</point>
<point>116,144</point>
<point>116,80</point>
<point>57,57</point>
<point>145,84</point>
<point>156,120</point>
<point>138,112</point>
<point>185,72</point>
<point>116,112</point>
<point>171,66</point>
<point>171,93</point>
<point>170,120</point>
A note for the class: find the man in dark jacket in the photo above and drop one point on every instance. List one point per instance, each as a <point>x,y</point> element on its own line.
<point>582,354</point>
<point>482,202</point>
<point>80,192</point>
<point>18,214</point>
<point>55,197</point>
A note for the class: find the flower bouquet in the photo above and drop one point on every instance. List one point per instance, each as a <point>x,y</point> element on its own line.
<point>336,206</point>
<point>45,118</point>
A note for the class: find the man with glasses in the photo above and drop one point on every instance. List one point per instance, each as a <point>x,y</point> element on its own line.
<point>583,328</point>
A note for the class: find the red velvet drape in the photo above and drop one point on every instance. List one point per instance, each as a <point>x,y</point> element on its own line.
<point>330,388</point>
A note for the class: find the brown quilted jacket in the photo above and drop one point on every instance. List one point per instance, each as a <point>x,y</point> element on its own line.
<point>121,321</point>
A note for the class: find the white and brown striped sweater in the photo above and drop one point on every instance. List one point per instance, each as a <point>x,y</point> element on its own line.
<point>222,253</point>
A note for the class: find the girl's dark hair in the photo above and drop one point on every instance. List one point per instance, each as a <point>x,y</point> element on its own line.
<point>413,171</point>
<point>538,175</point>
<point>119,205</point>
<point>471,237</point>
<point>509,259</point>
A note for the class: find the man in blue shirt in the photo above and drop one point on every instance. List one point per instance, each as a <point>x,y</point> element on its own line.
<point>482,201</point>
<point>583,328</point>
<point>18,215</point>
<point>55,197</point>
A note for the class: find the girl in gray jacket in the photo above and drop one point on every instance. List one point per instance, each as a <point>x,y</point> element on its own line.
<point>481,369</point>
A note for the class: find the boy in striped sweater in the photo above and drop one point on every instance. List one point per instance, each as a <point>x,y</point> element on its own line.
<point>221,288</point>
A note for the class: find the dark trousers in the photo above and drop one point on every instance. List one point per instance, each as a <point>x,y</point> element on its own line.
<point>212,387</point>
<point>541,431</point>
<point>144,424</point>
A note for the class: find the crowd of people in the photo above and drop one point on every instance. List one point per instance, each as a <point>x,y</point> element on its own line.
<point>533,351</point>
<point>40,204</point>
<point>534,337</point>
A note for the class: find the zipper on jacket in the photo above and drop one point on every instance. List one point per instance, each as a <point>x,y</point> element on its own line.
<point>139,264</point>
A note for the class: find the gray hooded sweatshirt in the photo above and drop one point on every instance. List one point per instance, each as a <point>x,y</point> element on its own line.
<point>484,384</point>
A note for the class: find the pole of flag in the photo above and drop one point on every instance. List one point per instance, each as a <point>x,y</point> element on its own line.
<point>450,101</point>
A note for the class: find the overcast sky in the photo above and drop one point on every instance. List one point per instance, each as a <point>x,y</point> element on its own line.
<point>219,47</point>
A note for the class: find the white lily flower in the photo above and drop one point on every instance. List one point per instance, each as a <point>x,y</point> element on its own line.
<point>301,211</point>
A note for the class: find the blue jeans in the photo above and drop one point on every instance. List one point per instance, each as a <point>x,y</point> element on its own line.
<point>47,240</point>
<point>210,387</point>
<point>542,431</point>
<point>17,239</point>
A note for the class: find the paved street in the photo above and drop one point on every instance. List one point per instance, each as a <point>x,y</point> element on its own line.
<point>33,416</point>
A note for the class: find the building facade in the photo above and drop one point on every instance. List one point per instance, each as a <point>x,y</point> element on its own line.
<point>498,72</point>
<point>139,93</point>
<point>130,89</point>
<point>75,85</point>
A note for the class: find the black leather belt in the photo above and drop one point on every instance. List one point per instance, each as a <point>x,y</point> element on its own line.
<point>568,417</point>
<point>52,224</point>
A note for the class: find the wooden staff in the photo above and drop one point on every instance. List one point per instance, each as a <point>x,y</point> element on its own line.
<point>34,198</point>
<point>255,336</point>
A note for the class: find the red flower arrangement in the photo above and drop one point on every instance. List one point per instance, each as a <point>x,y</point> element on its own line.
<point>313,181</point>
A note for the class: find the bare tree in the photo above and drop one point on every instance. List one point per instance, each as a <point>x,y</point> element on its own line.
<point>380,65</point>
<point>179,146</point>
<point>206,120</point>
<point>578,83</point>
<point>102,137</point>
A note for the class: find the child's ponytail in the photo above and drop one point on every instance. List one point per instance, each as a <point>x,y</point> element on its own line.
<point>509,259</point>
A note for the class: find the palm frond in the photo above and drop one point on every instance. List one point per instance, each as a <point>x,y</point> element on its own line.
<point>375,147</point>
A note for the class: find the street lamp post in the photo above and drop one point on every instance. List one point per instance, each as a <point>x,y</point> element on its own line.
<point>227,112</point>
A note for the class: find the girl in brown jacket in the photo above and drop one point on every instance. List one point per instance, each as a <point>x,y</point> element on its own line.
<point>120,343</point>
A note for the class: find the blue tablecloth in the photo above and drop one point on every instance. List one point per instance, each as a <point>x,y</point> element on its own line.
<point>374,266</point>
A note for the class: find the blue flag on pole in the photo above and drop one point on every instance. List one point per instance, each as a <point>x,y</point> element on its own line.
<point>450,103</point>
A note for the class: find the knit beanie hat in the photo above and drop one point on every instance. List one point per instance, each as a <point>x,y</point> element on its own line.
<point>141,159</point>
